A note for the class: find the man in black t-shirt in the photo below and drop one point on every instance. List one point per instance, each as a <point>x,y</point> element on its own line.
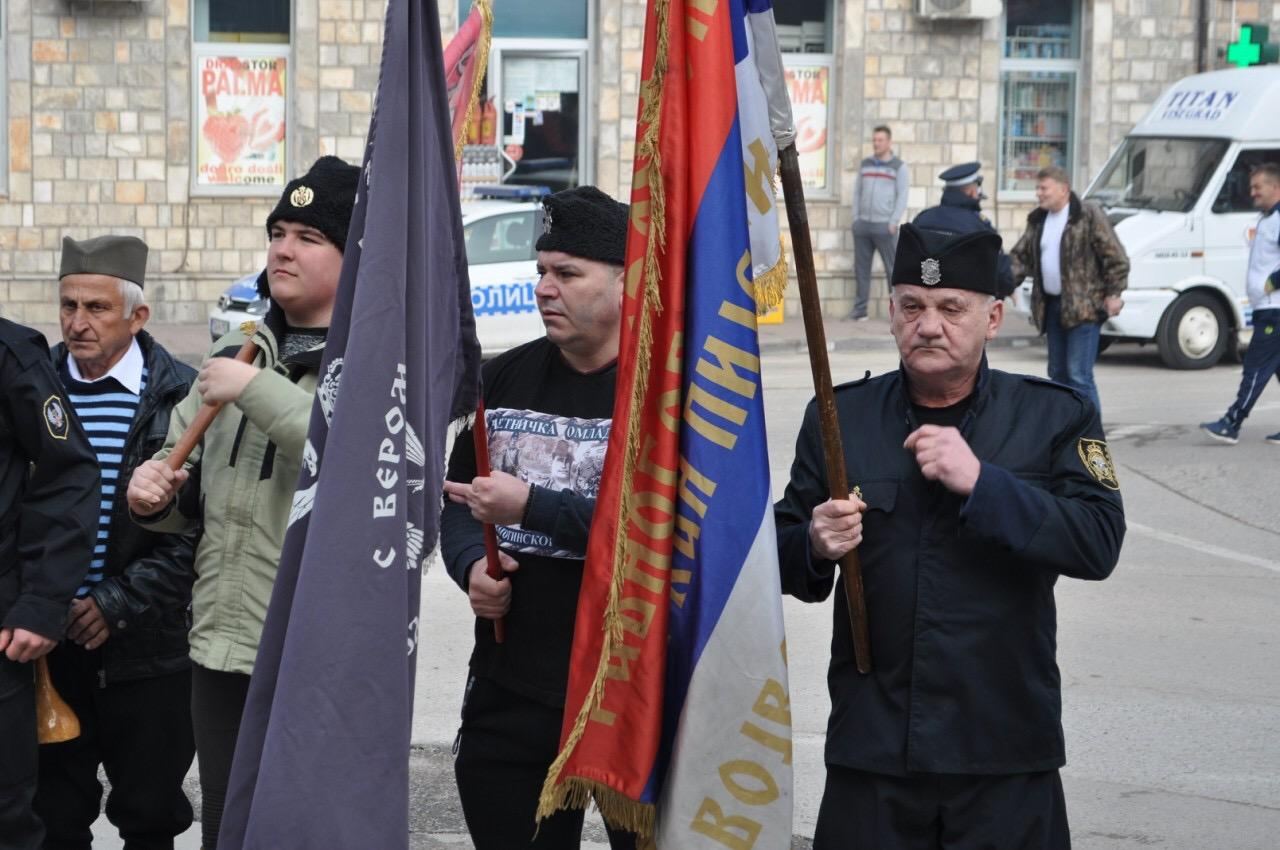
<point>548,405</point>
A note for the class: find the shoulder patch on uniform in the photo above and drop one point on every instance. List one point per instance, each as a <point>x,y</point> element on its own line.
<point>1097,460</point>
<point>55,418</point>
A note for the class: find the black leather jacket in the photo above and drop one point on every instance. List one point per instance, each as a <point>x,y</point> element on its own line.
<point>146,594</point>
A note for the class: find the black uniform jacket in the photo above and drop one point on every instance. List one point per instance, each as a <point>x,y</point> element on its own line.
<point>48,489</point>
<point>958,213</point>
<point>959,590</point>
<point>148,577</point>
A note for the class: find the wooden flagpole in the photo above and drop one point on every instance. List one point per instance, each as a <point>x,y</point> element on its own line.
<point>832,447</point>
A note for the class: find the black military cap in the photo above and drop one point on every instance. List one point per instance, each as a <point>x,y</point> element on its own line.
<point>962,175</point>
<point>124,257</point>
<point>585,222</point>
<point>322,198</point>
<point>960,261</point>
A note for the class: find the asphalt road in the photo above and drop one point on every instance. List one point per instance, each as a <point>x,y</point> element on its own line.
<point>1171,686</point>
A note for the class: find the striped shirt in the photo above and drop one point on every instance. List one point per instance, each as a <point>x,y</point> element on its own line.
<point>105,408</point>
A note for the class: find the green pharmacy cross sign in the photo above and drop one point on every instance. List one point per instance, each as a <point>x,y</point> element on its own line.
<point>1252,48</point>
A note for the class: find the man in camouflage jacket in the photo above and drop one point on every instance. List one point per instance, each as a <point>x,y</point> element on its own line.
<point>1079,269</point>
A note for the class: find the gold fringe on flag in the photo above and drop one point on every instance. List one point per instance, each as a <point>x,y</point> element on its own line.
<point>575,792</point>
<point>481,61</point>
<point>772,285</point>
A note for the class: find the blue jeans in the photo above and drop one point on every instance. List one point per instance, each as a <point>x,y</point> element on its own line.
<point>1072,351</point>
<point>1261,361</point>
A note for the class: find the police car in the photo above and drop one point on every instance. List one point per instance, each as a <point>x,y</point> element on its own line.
<point>499,229</point>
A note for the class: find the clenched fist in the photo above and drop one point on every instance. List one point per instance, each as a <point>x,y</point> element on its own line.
<point>836,527</point>
<point>153,487</point>
<point>943,455</point>
<point>490,598</point>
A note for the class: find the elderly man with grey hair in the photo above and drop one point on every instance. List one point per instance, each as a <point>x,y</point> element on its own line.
<point>124,667</point>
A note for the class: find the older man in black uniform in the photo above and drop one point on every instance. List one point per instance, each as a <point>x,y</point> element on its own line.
<point>960,211</point>
<point>974,491</point>
<point>48,515</point>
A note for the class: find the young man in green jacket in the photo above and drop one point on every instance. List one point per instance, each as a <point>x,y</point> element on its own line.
<point>240,481</point>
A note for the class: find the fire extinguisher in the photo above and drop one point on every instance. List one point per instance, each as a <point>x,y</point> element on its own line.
<point>488,123</point>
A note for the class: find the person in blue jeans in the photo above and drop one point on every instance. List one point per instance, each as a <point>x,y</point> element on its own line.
<point>1078,269</point>
<point>1262,284</point>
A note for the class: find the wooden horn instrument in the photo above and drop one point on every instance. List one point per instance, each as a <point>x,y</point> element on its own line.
<point>55,721</point>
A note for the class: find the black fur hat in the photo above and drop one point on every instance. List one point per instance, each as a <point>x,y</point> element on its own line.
<point>961,261</point>
<point>322,198</point>
<point>585,222</point>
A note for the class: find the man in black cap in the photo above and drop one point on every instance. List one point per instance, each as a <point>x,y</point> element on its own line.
<point>245,470</point>
<point>960,211</point>
<point>125,669</point>
<point>973,491</point>
<point>48,515</point>
<point>548,401</point>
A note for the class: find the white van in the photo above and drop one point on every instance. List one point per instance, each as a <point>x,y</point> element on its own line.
<point>1177,192</point>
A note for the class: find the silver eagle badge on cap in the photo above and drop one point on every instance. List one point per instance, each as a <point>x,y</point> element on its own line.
<point>546,219</point>
<point>930,272</point>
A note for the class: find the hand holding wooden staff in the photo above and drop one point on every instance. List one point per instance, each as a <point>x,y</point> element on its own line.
<point>155,483</point>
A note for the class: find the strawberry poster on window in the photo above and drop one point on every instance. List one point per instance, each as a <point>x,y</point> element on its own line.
<point>240,116</point>
<point>810,87</point>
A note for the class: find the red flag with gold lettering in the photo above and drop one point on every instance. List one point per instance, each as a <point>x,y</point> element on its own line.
<point>677,719</point>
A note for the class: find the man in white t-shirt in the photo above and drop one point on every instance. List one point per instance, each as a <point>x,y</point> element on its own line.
<point>1262,284</point>
<point>1079,269</point>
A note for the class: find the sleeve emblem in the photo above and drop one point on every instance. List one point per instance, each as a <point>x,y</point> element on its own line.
<point>55,418</point>
<point>1096,459</point>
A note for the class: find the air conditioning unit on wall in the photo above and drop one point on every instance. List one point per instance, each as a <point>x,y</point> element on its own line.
<point>959,8</point>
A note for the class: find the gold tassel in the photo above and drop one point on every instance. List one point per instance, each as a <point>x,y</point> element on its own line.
<point>617,809</point>
<point>772,285</point>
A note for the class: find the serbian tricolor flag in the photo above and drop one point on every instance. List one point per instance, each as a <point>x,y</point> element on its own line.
<point>677,718</point>
<point>466,57</point>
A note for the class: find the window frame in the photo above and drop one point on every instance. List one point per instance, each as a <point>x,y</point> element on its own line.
<point>1072,67</point>
<point>200,49</point>
<point>4,98</point>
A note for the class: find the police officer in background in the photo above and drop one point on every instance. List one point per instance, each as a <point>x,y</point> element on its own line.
<point>960,211</point>
<point>974,490</point>
<point>48,516</point>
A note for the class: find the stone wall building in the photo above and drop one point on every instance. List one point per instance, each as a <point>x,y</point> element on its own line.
<point>179,120</point>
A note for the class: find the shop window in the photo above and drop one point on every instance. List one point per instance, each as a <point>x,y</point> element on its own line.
<point>4,103</point>
<point>240,97</point>
<point>805,38</point>
<point>243,21</point>
<point>543,19</point>
<point>1039,76</point>
<point>804,26</point>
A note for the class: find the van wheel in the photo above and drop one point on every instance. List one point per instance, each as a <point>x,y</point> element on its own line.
<point>1104,342</point>
<point>1193,332</point>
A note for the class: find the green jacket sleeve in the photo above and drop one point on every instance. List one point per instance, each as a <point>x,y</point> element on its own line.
<point>280,408</point>
<point>172,519</point>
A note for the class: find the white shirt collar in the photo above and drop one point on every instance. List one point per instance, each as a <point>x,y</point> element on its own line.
<point>128,369</point>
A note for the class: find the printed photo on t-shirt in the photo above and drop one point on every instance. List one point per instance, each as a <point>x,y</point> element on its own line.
<point>556,452</point>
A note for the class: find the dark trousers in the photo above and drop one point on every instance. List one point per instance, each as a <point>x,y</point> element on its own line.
<point>504,748</point>
<point>870,238</point>
<point>140,732</point>
<point>1261,361</point>
<point>871,811</point>
<point>19,827</point>
<point>217,701</point>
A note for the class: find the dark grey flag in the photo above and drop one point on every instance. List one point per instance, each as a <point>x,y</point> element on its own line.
<point>322,759</point>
